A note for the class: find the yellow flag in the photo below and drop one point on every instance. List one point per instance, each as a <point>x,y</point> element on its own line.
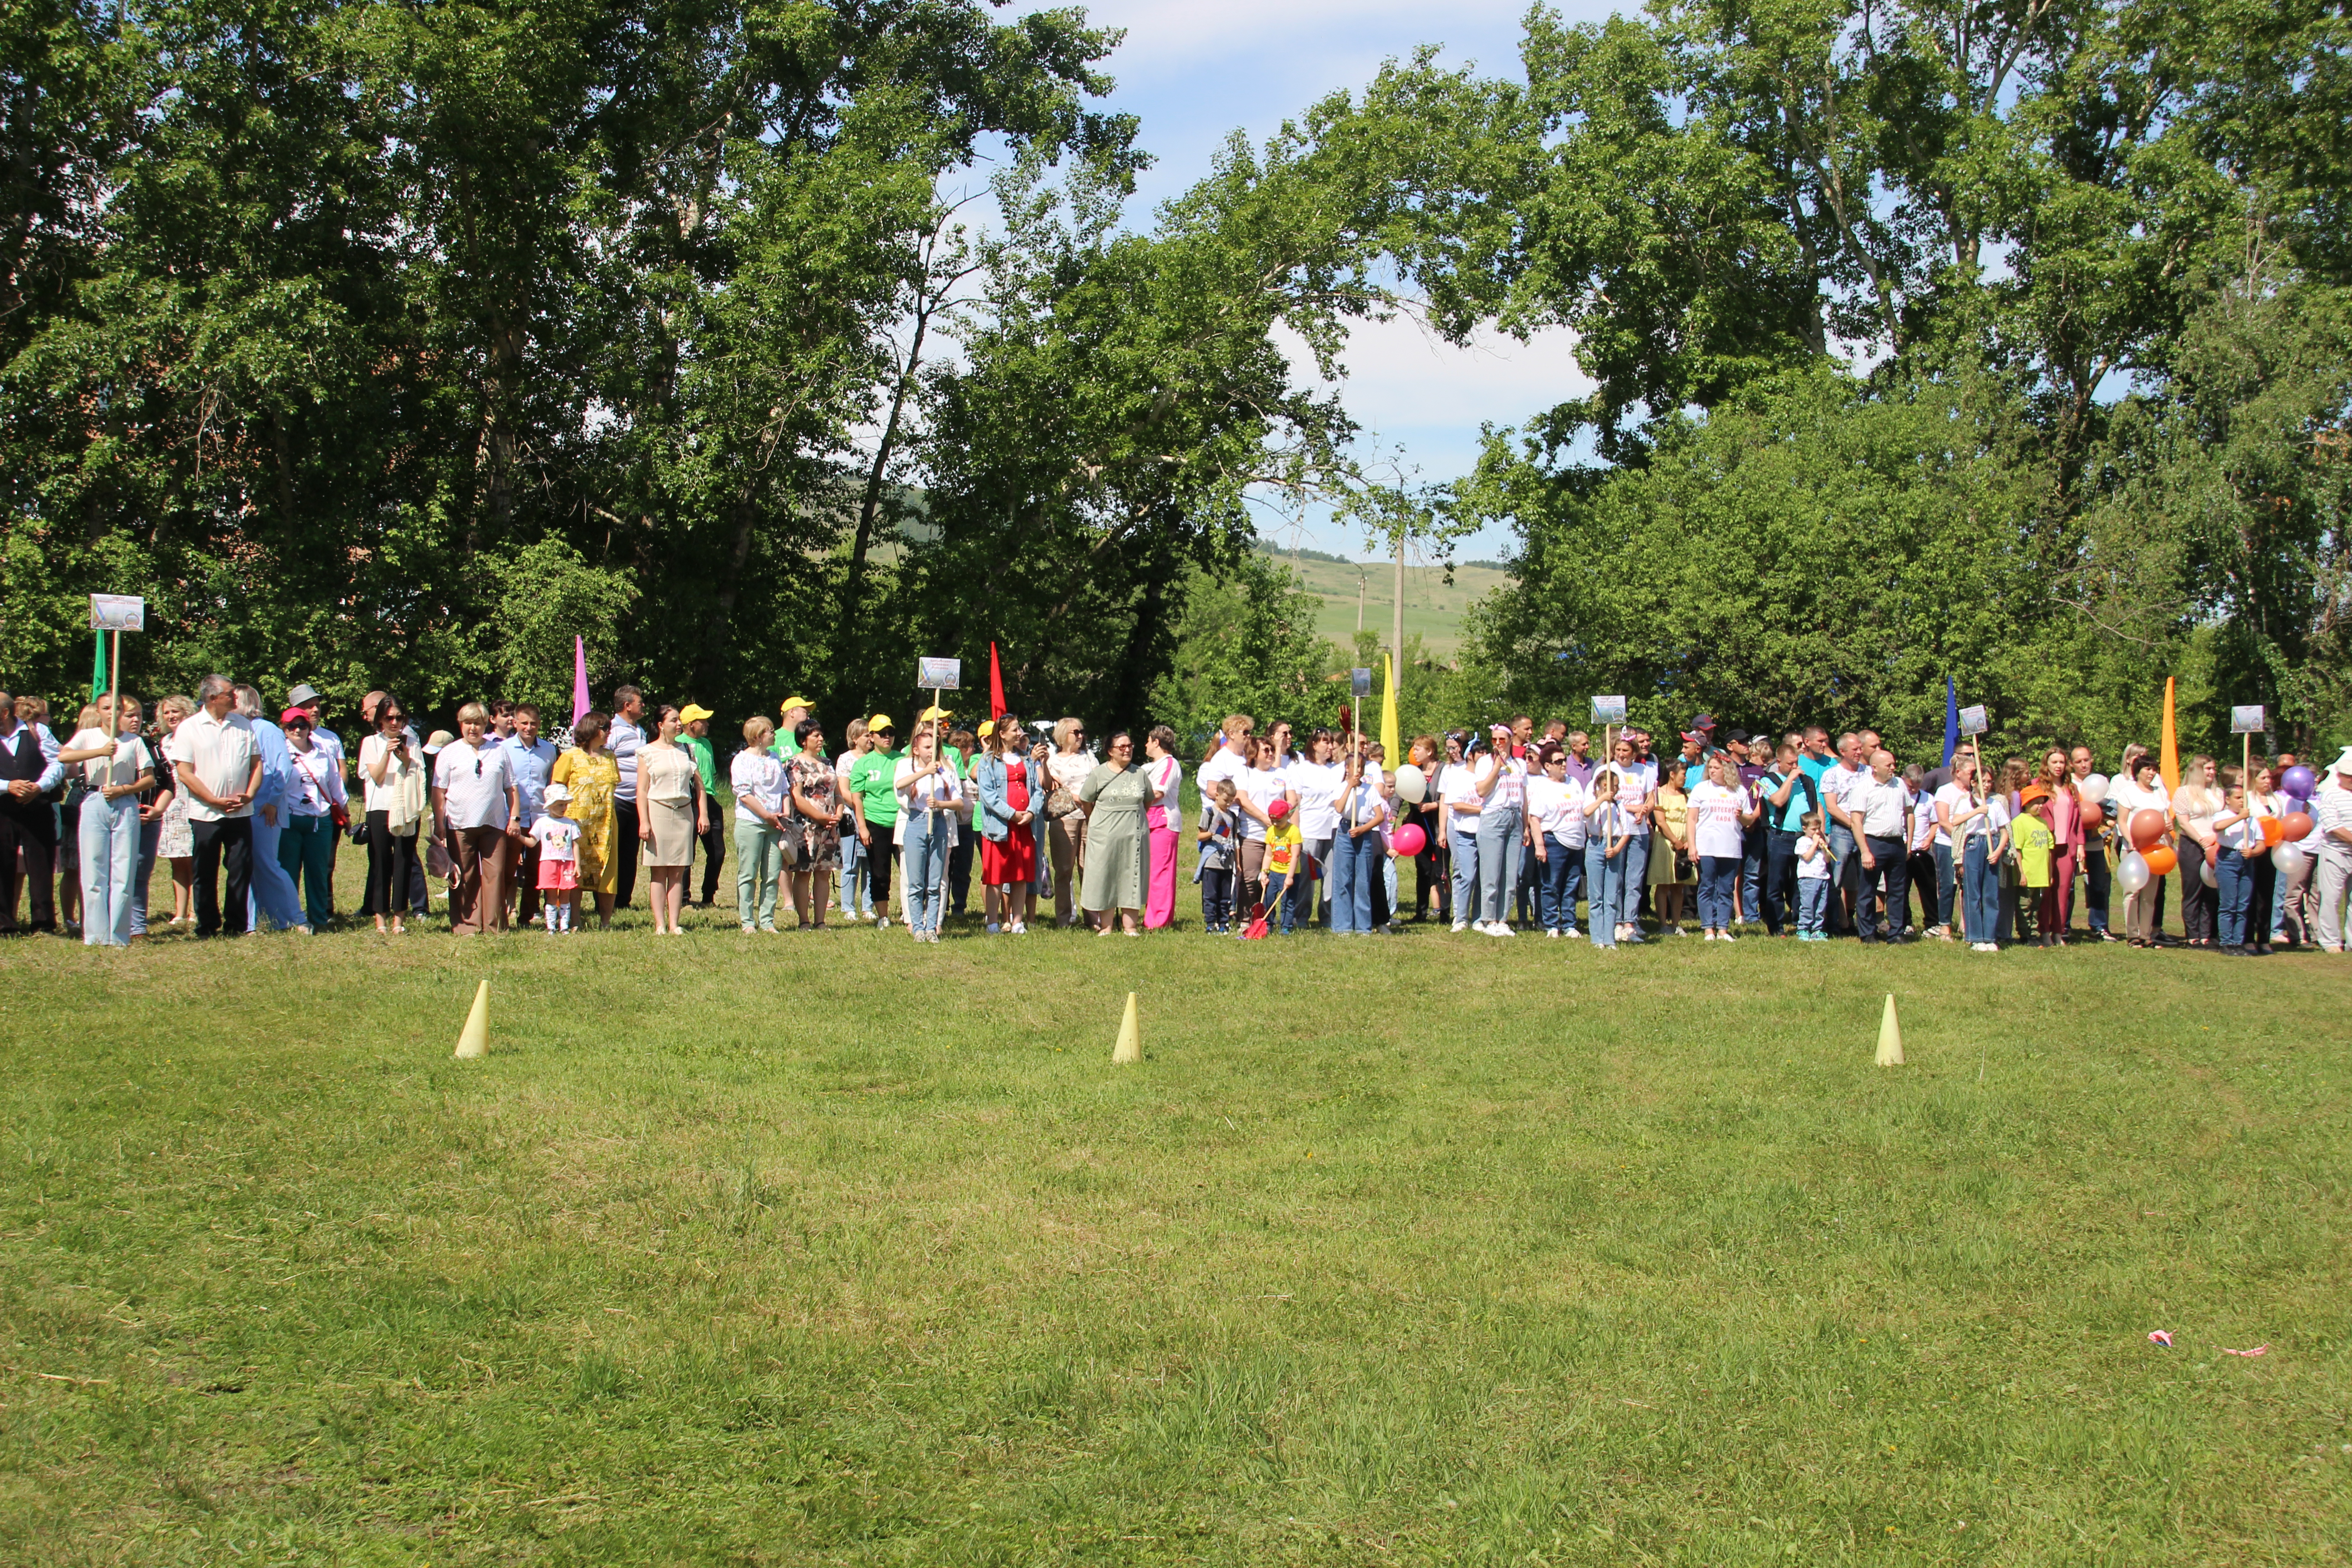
<point>1389,745</point>
<point>2168,760</point>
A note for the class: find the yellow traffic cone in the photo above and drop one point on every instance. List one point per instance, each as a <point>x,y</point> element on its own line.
<point>1130,1036</point>
<point>1890,1038</point>
<point>474,1039</point>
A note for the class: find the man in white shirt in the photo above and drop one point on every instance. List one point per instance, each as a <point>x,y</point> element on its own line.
<point>28,827</point>
<point>474,800</point>
<point>2331,815</point>
<point>627,736</point>
<point>218,763</point>
<point>1880,809</point>
<point>1848,776</point>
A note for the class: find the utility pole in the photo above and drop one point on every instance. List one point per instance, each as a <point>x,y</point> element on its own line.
<point>1362,577</point>
<point>1396,657</point>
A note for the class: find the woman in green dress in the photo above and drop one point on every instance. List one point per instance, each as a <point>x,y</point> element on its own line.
<point>1114,797</point>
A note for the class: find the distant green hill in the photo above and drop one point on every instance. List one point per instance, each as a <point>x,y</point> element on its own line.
<point>1432,606</point>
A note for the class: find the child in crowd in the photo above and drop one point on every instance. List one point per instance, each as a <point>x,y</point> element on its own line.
<point>2036,841</point>
<point>1282,844</point>
<point>558,837</point>
<point>1606,831</point>
<point>1812,879</point>
<point>1220,817</point>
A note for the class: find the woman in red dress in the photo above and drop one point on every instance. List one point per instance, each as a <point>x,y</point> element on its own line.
<point>1008,849</point>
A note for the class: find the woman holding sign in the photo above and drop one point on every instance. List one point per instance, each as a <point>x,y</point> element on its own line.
<point>116,768</point>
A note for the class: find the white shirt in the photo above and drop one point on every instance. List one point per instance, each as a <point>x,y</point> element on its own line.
<point>376,796</point>
<point>129,760</point>
<point>1556,809</point>
<point>1714,820</point>
<point>1361,804</point>
<point>1223,763</point>
<point>1510,775</point>
<point>558,837</point>
<point>1879,807</point>
<point>2332,809</point>
<point>314,780</point>
<point>1636,781</point>
<point>932,791</point>
<point>1318,787</point>
<point>1924,834</point>
<point>1845,787</point>
<point>221,753</point>
<point>1955,800</point>
<point>474,782</point>
<point>1812,860</point>
<point>623,743</point>
<point>1261,787</point>
<point>1164,775</point>
<point>2246,835</point>
<point>1457,785</point>
<point>757,775</point>
<point>2126,799</point>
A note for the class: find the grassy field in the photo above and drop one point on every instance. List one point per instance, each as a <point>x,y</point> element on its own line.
<point>1431,608</point>
<point>1431,1249</point>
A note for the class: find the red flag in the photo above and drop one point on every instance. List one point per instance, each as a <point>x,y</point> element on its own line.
<point>995,685</point>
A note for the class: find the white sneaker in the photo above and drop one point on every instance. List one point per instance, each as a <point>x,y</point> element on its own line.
<point>1553,935</point>
<point>1709,935</point>
<point>1727,936</point>
<point>882,923</point>
<point>1572,933</point>
<point>1461,926</point>
<point>1019,929</point>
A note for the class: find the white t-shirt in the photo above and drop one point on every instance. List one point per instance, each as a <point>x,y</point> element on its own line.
<point>757,775</point>
<point>1846,789</point>
<point>1261,787</point>
<point>931,792</point>
<point>1812,860</point>
<point>558,837</point>
<point>1556,809</point>
<point>474,782</point>
<point>1636,781</point>
<point>1166,776</point>
<point>1924,832</point>
<point>1456,785</point>
<point>1318,787</point>
<point>1955,799</point>
<point>1223,763</point>
<point>129,760</point>
<point>2126,800</point>
<point>1361,804</point>
<point>1714,820</point>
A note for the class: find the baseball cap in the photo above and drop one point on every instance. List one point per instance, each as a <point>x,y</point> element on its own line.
<point>789,703</point>
<point>1704,723</point>
<point>438,739</point>
<point>293,714</point>
<point>1278,810</point>
<point>302,696</point>
<point>936,711</point>
<point>693,710</point>
<point>2033,792</point>
<point>880,721</point>
<point>987,728</point>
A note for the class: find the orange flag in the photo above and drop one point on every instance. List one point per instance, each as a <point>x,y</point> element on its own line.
<point>2168,760</point>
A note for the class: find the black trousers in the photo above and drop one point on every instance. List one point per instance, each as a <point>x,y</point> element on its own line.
<point>20,834</point>
<point>230,839</point>
<point>880,857</point>
<point>624,828</point>
<point>1922,874</point>
<point>1891,877</point>
<point>960,871</point>
<point>1780,881</point>
<point>714,850</point>
<point>391,863</point>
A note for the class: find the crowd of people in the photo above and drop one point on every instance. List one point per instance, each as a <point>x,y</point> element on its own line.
<point>1505,831</point>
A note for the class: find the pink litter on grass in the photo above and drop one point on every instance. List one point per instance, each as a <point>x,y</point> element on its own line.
<point>2159,1337</point>
<point>2258,1350</point>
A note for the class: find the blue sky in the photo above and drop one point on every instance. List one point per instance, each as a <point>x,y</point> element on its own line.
<point>1195,70</point>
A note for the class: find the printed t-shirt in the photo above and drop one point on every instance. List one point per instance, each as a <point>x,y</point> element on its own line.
<point>1457,785</point>
<point>1556,809</point>
<point>1715,821</point>
<point>2034,843</point>
<point>874,779</point>
<point>756,775</point>
<point>1281,848</point>
<point>558,837</point>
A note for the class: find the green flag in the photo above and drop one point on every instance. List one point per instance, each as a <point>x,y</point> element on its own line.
<point>96,666</point>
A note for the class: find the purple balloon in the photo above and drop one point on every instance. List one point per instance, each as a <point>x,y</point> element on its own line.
<point>2299,781</point>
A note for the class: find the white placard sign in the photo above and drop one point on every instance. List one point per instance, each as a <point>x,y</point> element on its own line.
<point>2247,720</point>
<point>939,674</point>
<point>116,613</point>
<point>1973,721</point>
<point>1608,710</point>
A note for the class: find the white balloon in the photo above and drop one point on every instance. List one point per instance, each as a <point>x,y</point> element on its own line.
<point>2131,873</point>
<point>2288,858</point>
<point>2093,787</point>
<point>2212,879</point>
<point>1413,785</point>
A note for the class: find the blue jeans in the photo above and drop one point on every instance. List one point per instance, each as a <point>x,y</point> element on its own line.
<point>1604,890</point>
<point>1465,875</point>
<point>1556,876</point>
<point>1845,871</point>
<point>1499,827</point>
<point>2236,877</point>
<point>1813,904</point>
<point>151,842</point>
<point>1718,874</point>
<point>1754,845</point>
<point>1944,885</point>
<point>1348,886</point>
<point>1981,889</point>
<point>856,891</point>
<point>930,834</point>
<point>1299,904</point>
<point>1780,881</point>
<point>109,860</point>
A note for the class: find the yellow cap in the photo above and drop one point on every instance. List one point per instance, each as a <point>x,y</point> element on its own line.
<point>693,710</point>
<point>790,703</point>
<point>935,711</point>
<point>880,721</point>
<point>987,728</point>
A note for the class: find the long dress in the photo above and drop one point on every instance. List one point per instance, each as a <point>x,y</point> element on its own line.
<point>1011,861</point>
<point>1118,847</point>
<point>592,777</point>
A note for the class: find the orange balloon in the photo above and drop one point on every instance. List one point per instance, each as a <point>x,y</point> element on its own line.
<point>2147,827</point>
<point>2160,859</point>
<point>2273,831</point>
<point>2092,815</point>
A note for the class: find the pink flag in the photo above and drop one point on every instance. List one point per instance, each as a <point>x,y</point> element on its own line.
<point>578,679</point>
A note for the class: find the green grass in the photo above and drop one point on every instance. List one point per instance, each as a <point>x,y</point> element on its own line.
<point>831,1249</point>
<point>1433,608</point>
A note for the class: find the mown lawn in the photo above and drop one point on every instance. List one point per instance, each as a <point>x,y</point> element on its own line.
<point>818,1249</point>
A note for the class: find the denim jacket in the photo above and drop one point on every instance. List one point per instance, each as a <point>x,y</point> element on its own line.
<point>996,798</point>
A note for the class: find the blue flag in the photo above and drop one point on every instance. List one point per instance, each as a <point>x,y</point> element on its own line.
<point>1951,720</point>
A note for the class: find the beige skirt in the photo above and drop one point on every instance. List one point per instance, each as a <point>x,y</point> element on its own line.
<point>673,828</point>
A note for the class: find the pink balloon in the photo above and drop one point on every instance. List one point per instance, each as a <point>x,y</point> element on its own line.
<point>1409,839</point>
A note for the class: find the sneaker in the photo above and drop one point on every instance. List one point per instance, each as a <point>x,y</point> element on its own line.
<point>994,927</point>
<point>882,923</point>
<point>1572,933</point>
<point>1461,926</point>
<point>1553,935</point>
<point>1708,935</point>
<point>1727,936</point>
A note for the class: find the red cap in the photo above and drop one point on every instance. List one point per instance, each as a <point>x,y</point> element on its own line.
<point>1278,810</point>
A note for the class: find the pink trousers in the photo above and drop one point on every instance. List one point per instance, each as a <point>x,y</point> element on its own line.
<point>1160,900</point>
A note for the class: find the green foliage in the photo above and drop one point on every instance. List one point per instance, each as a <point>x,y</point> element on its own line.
<point>1247,645</point>
<point>549,596</point>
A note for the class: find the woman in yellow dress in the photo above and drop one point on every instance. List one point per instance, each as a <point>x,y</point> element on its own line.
<point>592,774</point>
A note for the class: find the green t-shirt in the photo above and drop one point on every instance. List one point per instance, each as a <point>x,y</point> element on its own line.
<point>874,777</point>
<point>2034,842</point>
<point>705,764</point>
